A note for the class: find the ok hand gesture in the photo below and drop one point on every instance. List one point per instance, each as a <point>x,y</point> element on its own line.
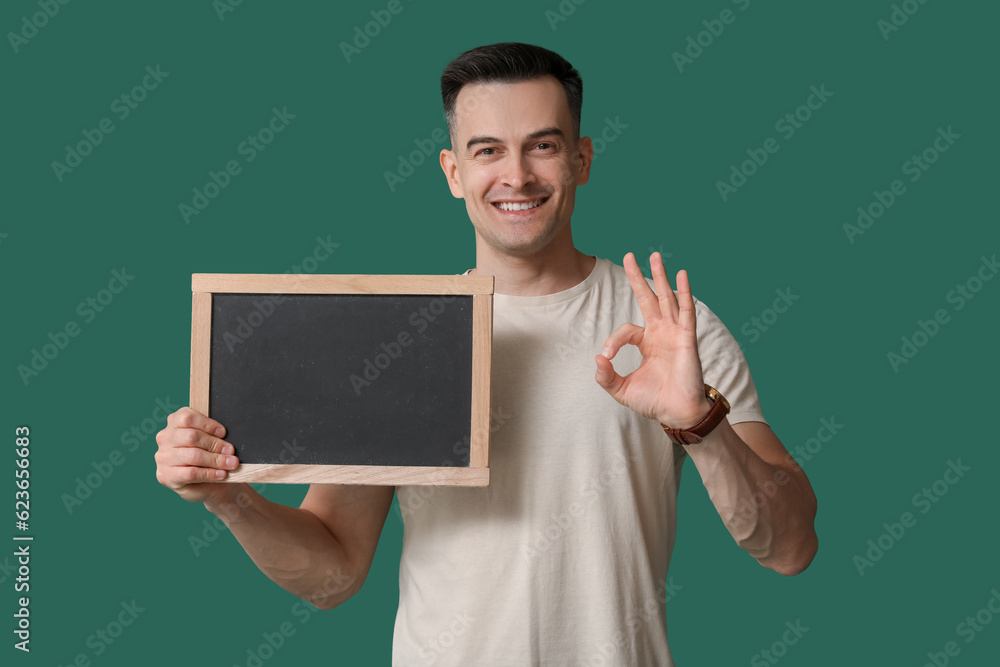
<point>668,384</point>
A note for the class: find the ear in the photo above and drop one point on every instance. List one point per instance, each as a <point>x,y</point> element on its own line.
<point>450,168</point>
<point>585,148</point>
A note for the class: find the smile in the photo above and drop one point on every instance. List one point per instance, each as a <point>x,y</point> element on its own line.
<point>519,205</point>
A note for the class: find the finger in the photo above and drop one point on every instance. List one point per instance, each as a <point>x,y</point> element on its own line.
<point>170,438</point>
<point>668,304</point>
<point>686,316</point>
<point>193,456</point>
<point>190,418</point>
<point>608,378</point>
<point>177,477</point>
<point>626,334</point>
<point>648,303</point>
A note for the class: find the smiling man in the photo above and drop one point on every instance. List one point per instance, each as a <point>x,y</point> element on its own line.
<point>563,558</point>
<point>518,180</point>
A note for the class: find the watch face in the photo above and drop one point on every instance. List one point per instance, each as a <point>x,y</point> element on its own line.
<point>715,397</point>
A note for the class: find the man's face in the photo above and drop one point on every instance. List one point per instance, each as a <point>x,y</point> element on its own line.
<point>516,163</point>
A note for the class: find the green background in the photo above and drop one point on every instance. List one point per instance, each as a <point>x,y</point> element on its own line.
<point>653,187</point>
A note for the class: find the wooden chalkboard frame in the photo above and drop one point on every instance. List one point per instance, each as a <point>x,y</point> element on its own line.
<point>204,285</point>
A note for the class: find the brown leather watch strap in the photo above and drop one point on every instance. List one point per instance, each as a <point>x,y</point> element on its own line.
<point>696,433</point>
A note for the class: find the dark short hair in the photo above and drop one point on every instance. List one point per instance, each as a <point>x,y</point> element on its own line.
<point>509,62</point>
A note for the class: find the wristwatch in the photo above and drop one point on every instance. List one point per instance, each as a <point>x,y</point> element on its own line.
<point>694,434</point>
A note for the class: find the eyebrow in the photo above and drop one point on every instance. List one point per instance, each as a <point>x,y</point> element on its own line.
<point>545,132</point>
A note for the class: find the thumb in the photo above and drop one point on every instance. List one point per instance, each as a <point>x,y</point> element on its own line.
<point>608,378</point>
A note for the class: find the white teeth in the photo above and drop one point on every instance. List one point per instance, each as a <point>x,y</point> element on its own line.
<point>518,206</point>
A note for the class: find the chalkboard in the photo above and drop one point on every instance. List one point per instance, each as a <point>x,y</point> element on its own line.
<point>346,378</point>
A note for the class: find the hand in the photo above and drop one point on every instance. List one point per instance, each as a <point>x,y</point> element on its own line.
<point>191,453</point>
<point>668,385</point>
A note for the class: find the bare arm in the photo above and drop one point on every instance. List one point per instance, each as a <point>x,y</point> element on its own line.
<point>761,494</point>
<point>320,551</point>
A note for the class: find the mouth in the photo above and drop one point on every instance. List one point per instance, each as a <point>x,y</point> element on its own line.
<point>522,207</point>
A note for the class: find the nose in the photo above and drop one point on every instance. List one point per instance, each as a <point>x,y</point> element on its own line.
<point>517,171</point>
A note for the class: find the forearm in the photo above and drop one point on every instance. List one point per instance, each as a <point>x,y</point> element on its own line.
<point>291,546</point>
<point>768,508</point>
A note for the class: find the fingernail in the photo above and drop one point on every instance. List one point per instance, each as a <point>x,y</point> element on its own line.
<point>230,461</point>
<point>228,449</point>
<point>220,431</point>
<point>220,473</point>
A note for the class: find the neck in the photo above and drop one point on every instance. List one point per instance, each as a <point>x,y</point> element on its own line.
<point>554,269</point>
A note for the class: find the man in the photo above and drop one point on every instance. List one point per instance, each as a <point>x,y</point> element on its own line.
<point>561,559</point>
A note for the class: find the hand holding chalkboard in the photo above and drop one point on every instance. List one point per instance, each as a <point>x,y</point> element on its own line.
<point>191,452</point>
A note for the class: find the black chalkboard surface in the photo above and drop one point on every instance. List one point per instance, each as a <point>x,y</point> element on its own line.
<point>346,379</point>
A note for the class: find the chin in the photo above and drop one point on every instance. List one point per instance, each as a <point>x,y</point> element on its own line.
<point>517,241</point>
<point>522,248</point>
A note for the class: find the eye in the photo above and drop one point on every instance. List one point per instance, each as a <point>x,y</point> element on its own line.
<point>545,146</point>
<point>487,152</point>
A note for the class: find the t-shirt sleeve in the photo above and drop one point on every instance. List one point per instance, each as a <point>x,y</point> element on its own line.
<point>725,368</point>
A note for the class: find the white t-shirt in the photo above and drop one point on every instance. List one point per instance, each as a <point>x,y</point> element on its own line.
<point>562,559</point>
